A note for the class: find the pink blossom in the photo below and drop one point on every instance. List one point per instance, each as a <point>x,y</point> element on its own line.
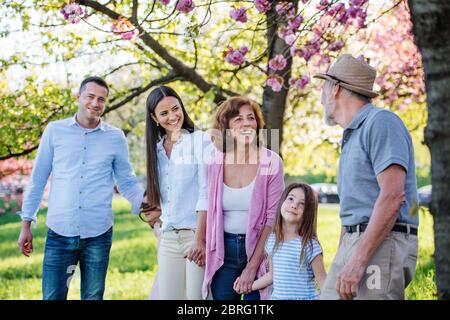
<point>239,14</point>
<point>185,6</point>
<point>283,32</point>
<point>283,7</point>
<point>275,82</point>
<point>361,23</point>
<point>362,14</point>
<point>306,54</point>
<point>278,62</point>
<point>357,3</point>
<point>299,83</point>
<point>304,1</point>
<point>236,57</point>
<point>339,7</point>
<point>353,12</point>
<point>295,23</point>
<point>318,31</point>
<point>164,2</point>
<point>129,35</point>
<point>290,39</point>
<point>324,60</point>
<point>336,45</point>
<point>73,12</point>
<point>263,5</point>
<point>342,17</point>
<point>323,4</point>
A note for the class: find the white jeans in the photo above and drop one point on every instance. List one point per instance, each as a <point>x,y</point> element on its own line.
<point>179,279</point>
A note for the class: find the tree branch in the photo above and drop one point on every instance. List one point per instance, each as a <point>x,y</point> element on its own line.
<point>137,92</point>
<point>178,66</point>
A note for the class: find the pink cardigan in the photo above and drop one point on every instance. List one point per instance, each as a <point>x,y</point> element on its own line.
<point>269,186</point>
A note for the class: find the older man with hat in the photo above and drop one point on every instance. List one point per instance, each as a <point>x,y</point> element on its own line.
<point>377,253</point>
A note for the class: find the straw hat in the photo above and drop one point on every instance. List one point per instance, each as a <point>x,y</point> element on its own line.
<point>353,74</point>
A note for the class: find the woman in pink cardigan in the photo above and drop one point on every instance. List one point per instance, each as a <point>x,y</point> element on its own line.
<point>245,182</point>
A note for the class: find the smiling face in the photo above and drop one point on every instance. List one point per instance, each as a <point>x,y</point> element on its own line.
<point>243,126</point>
<point>91,102</point>
<point>169,114</point>
<point>293,206</point>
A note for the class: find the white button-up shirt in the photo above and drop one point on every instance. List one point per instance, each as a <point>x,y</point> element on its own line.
<point>182,180</point>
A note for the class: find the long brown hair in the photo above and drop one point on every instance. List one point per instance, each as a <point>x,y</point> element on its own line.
<point>230,109</point>
<point>307,228</point>
<point>153,134</point>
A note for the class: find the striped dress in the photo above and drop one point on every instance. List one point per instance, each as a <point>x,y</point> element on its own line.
<point>292,281</point>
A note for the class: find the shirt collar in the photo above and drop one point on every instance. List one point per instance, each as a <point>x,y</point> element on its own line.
<point>359,118</point>
<point>73,121</point>
<point>160,144</point>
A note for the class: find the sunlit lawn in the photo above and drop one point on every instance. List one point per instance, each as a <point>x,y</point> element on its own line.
<point>133,257</point>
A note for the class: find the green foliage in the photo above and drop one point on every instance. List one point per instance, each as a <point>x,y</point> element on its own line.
<point>26,111</point>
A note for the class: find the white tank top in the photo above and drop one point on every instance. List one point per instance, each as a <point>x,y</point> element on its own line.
<point>235,203</point>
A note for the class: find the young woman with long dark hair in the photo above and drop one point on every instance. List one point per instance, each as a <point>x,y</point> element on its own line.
<point>177,189</point>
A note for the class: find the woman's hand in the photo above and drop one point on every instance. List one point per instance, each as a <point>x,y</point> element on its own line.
<point>246,280</point>
<point>197,252</point>
<point>152,215</point>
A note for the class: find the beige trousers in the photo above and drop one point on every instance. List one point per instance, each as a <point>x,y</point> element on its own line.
<point>178,278</point>
<point>388,273</point>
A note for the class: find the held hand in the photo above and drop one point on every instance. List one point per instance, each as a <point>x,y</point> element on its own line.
<point>348,279</point>
<point>246,280</point>
<point>25,241</point>
<point>236,284</point>
<point>197,252</point>
<point>151,215</point>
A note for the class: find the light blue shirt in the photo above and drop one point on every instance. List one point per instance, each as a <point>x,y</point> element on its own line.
<point>375,139</point>
<point>292,280</point>
<point>83,164</point>
<point>182,180</point>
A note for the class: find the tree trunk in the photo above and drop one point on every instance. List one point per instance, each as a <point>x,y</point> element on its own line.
<point>431,28</point>
<point>274,103</point>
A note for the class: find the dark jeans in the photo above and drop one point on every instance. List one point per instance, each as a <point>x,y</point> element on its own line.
<point>61,256</point>
<point>235,261</point>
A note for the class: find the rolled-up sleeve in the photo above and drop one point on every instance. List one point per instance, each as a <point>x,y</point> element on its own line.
<point>127,181</point>
<point>39,176</point>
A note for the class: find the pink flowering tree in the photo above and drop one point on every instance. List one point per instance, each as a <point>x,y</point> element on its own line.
<point>266,49</point>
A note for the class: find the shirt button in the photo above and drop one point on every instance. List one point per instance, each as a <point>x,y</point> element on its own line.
<point>81,177</point>
<point>84,148</point>
<point>79,207</point>
<point>84,162</point>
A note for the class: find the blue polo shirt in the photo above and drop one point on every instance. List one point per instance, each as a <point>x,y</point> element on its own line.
<point>375,139</point>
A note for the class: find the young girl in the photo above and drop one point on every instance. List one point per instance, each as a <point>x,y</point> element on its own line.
<point>295,255</point>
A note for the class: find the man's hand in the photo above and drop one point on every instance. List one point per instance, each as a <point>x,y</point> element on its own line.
<point>348,279</point>
<point>25,241</point>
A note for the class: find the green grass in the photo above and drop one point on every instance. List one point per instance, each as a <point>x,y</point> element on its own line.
<point>133,257</point>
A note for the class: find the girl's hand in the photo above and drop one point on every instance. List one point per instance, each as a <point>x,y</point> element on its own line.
<point>246,280</point>
<point>236,285</point>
